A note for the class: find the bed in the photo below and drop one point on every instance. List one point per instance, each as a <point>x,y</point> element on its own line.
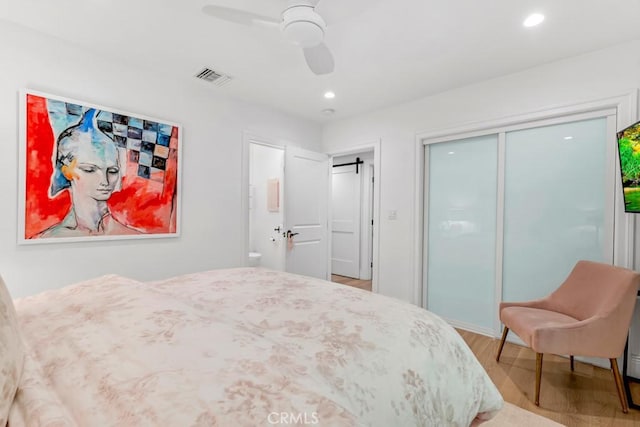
<point>233,347</point>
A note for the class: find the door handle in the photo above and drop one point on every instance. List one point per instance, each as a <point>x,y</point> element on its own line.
<point>290,234</point>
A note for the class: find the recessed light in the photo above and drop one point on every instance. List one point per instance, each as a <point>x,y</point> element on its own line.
<point>568,137</point>
<point>328,111</point>
<point>533,20</point>
<point>329,95</point>
<point>452,152</point>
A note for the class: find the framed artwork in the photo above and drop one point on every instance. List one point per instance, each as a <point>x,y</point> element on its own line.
<point>95,173</point>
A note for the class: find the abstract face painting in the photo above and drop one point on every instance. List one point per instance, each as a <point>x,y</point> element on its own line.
<point>93,173</point>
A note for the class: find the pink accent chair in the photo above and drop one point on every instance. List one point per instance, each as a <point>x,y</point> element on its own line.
<point>588,315</point>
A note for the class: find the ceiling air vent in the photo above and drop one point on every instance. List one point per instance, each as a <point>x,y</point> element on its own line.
<point>208,75</point>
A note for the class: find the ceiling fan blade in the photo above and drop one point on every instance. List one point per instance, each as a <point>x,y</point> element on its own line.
<point>238,16</point>
<point>319,59</point>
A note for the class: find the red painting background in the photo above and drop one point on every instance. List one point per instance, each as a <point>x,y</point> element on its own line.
<point>145,204</point>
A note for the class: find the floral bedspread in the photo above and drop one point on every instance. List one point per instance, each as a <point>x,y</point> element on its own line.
<point>241,347</point>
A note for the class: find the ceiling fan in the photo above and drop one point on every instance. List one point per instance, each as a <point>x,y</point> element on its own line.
<point>302,22</point>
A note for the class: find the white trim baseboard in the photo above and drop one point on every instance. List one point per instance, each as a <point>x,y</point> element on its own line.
<point>488,332</point>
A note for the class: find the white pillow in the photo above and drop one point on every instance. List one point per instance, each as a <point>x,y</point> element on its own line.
<point>11,353</point>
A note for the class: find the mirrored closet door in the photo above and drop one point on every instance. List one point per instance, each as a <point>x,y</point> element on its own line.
<point>556,210</point>
<point>508,214</point>
<point>462,229</point>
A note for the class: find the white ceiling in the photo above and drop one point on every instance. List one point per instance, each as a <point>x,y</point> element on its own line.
<point>392,51</point>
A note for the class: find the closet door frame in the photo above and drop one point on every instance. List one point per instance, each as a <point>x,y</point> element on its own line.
<point>619,111</point>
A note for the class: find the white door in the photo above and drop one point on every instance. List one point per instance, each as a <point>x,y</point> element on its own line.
<point>306,200</point>
<point>345,221</point>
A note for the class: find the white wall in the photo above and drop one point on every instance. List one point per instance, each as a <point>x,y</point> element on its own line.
<point>610,72</point>
<point>212,221</point>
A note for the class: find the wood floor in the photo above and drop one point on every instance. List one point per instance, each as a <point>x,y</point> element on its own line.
<point>585,397</point>
<point>356,283</point>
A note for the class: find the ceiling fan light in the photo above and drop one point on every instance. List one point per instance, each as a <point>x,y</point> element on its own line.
<point>303,26</point>
<point>303,33</point>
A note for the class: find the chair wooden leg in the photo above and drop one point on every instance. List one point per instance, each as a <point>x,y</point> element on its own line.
<point>618,379</point>
<point>571,360</point>
<point>505,331</point>
<point>538,377</point>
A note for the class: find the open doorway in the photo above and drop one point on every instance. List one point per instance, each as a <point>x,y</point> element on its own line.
<point>304,207</point>
<point>285,193</point>
<point>266,213</point>
<point>352,220</point>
